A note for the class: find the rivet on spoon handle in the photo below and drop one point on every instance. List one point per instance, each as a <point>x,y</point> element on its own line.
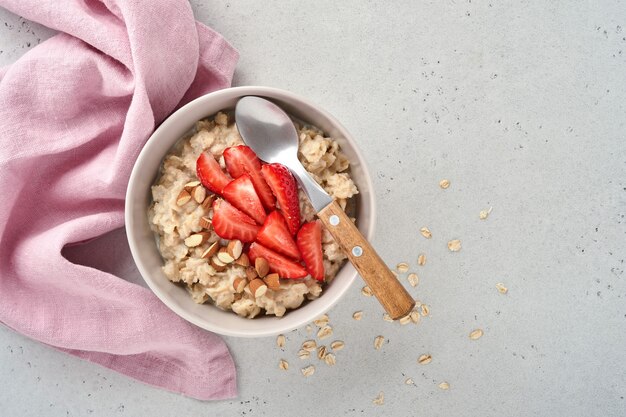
<point>385,286</point>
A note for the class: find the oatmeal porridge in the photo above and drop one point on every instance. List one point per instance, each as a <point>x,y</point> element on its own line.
<point>239,233</point>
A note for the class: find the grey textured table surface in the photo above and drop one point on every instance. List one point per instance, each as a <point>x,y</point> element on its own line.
<point>521,105</point>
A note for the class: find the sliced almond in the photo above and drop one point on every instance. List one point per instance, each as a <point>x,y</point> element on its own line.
<point>217,264</point>
<point>258,287</point>
<point>205,222</point>
<point>280,340</point>
<point>212,250</point>
<point>224,256</point>
<point>272,281</point>
<point>199,194</point>
<point>191,185</point>
<point>261,266</point>
<point>197,239</point>
<point>183,198</point>
<point>234,248</point>
<point>251,273</point>
<point>239,284</point>
<point>243,260</point>
<point>208,201</point>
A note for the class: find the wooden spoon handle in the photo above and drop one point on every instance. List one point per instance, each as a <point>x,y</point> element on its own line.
<point>385,286</point>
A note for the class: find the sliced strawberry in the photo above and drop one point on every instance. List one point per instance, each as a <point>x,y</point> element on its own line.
<point>284,267</point>
<point>310,245</point>
<point>210,173</point>
<point>240,193</point>
<point>230,223</point>
<point>275,235</point>
<point>284,187</point>
<point>241,160</point>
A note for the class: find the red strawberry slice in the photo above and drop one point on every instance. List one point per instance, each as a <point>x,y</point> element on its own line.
<point>241,160</point>
<point>284,267</point>
<point>284,187</point>
<point>230,223</point>
<point>240,193</point>
<point>275,235</point>
<point>210,174</point>
<point>310,245</point>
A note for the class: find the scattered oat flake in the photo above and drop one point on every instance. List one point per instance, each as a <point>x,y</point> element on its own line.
<point>304,354</point>
<point>444,386</point>
<point>330,359</point>
<point>409,381</point>
<point>421,259</point>
<point>280,341</point>
<point>321,352</point>
<point>283,364</point>
<point>485,213</point>
<point>337,345</point>
<point>425,310</point>
<point>426,232</point>
<point>380,400</point>
<point>366,291</point>
<point>444,184</point>
<point>358,315</point>
<point>501,288</point>
<point>308,371</point>
<point>402,267</point>
<point>325,332</point>
<point>309,345</point>
<point>378,342</point>
<point>322,321</point>
<point>424,359</point>
<point>454,245</point>
<point>415,316</point>
<point>476,334</point>
<point>387,317</point>
<point>405,320</point>
<point>413,279</point>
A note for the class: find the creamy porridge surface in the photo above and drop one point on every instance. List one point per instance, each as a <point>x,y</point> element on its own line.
<point>173,223</point>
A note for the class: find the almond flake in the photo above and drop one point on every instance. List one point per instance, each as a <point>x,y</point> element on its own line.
<point>234,248</point>
<point>476,334</point>
<point>239,284</point>
<point>321,352</point>
<point>413,279</point>
<point>426,232</point>
<point>405,320</point>
<point>205,222</point>
<point>321,321</point>
<point>402,267</point>
<point>309,345</point>
<point>358,315</point>
<point>262,266</point>
<point>366,291</point>
<point>425,310</point>
<point>501,288</point>
<point>421,259</point>
<point>444,184</point>
<point>283,364</point>
<point>424,359</point>
<point>337,345</point>
<point>208,202</point>
<point>444,386</point>
<point>330,360</point>
<point>387,317</point>
<point>224,256</point>
<point>212,250</point>
<point>198,194</point>
<point>258,288</point>
<point>454,245</point>
<point>272,281</point>
<point>378,342</point>
<point>409,381</point>
<point>183,198</point>
<point>280,341</point>
<point>324,332</point>
<point>191,185</point>
<point>196,239</point>
<point>308,371</point>
<point>243,260</point>
<point>380,400</point>
<point>304,354</point>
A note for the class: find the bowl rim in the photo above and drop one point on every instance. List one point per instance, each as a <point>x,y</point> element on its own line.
<point>233,92</point>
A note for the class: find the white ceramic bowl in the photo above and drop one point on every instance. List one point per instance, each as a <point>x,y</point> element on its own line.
<point>143,244</point>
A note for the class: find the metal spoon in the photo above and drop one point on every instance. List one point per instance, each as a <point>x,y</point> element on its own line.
<point>269,131</point>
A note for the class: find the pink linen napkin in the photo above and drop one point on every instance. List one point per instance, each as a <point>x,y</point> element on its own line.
<point>74,113</point>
